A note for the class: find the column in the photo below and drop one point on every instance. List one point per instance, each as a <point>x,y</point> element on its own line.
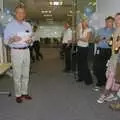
<point>1,43</point>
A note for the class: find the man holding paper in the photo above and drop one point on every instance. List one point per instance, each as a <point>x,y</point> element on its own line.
<point>17,36</point>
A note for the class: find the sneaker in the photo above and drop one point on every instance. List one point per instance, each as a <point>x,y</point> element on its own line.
<point>118,94</point>
<point>96,88</point>
<point>101,99</point>
<point>110,98</point>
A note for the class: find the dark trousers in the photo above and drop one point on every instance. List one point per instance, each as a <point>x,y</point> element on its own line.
<point>99,66</point>
<point>31,53</point>
<point>67,51</point>
<point>83,70</point>
<point>91,54</point>
<point>74,58</point>
<point>36,46</point>
<point>62,51</point>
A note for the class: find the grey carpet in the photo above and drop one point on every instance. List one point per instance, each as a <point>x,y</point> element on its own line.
<point>56,95</point>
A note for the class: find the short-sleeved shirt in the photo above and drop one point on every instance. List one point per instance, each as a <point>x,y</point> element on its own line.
<point>83,35</point>
<point>12,29</point>
<point>67,35</point>
<point>104,34</point>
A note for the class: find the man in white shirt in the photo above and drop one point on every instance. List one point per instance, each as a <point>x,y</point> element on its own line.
<point>67,40</point>
<point>36,45</point>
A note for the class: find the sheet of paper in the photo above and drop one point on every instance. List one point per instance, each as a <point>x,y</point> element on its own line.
<point>24,37</point>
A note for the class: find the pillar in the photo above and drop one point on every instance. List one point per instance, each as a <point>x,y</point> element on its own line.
<point>1,42</point>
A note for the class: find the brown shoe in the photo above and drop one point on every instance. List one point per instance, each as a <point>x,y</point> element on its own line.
<point>19,100</point>
<point>27,97</point>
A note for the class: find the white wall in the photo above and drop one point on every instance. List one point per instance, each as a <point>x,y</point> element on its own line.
<point>50,31</point>
<point>108,7</point>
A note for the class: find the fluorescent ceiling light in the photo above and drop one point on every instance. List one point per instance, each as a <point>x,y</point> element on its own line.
<point>56,3</point>
<point>47,15</point>
<point>46,11</point>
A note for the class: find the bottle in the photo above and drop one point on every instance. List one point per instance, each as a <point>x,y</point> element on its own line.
<point>117,48</point>
<point>110,42</point>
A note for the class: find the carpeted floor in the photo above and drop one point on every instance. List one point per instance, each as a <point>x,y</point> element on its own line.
<point>56,95</point>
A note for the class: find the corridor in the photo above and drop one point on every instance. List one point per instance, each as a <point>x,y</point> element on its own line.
<point>56,95</point>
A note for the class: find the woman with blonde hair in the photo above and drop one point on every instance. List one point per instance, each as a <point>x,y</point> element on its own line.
<point>84,34</point>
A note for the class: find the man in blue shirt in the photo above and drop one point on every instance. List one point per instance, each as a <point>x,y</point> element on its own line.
<point>17,36</point>
<point>103,51</point>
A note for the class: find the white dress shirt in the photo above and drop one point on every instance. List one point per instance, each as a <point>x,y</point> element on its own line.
<point>36,36</point>
<point>67,36</point>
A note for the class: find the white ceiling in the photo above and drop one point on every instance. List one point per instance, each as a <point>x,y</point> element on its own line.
<point>59,13</point>
<point>34,8</point>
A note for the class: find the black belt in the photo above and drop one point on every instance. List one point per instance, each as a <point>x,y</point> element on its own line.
<point>20,48</point>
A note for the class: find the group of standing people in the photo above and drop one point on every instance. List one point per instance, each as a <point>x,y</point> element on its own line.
<point>84,34</point>
<point>106,62</point>
<point>18,35</point>
<point>109,65</point>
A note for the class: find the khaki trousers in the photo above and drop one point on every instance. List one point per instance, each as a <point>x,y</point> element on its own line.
<point>21,65</point>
